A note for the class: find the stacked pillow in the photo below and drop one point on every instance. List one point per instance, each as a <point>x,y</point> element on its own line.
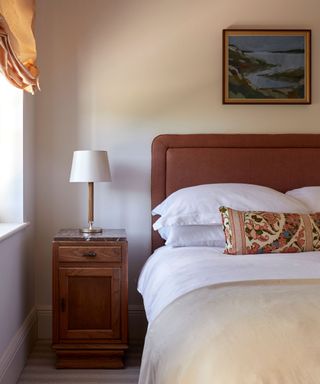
<point>309,196</point>
<point>193,235</point>
<point>191,216</point>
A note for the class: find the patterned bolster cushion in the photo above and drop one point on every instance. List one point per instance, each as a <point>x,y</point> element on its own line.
<point>266,232</point>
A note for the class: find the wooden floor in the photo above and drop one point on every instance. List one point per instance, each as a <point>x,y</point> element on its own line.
<point>40,369</point>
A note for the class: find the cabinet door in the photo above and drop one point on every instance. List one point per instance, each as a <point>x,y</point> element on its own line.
<point>89,303</point>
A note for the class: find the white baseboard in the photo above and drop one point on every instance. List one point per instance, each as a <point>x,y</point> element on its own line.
<point>15,355</point>
<point>137,323</point>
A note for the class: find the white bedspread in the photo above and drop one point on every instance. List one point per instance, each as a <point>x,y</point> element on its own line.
<point>218,319</point>
<point>171,272</point>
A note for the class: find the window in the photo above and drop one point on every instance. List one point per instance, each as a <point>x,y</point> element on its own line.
<point>11,153</point>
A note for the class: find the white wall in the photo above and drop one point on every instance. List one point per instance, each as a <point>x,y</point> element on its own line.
<point>16,298</point>
<point>114,74</point>
<point>17,262</point>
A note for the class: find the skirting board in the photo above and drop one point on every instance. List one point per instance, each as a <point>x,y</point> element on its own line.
<point>15,355</point>
<point>137,323</point>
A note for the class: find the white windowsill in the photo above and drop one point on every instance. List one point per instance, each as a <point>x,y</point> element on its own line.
<point>8,229</point>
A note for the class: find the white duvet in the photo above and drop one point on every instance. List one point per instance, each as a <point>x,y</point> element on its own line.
<point>171,272</point>
<point>218,319</point>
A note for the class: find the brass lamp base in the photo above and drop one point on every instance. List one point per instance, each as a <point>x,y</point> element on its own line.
<point>91,230</point>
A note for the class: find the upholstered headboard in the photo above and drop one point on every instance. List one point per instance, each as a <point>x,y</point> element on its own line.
<point>281,162</point>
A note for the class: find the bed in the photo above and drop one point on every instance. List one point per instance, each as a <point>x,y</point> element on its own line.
<point>216,318</point>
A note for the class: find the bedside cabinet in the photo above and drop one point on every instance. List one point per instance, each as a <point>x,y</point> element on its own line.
<point>90,299</point>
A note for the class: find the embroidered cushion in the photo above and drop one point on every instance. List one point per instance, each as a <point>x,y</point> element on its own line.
<point>255,232</point>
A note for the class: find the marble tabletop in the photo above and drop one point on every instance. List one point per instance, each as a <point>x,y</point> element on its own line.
<point>76,234</point>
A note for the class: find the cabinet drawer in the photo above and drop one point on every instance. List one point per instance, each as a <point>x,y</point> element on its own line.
<point>90,254</point>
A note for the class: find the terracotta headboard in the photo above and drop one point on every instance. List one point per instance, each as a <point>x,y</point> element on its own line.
<point>282,162</point>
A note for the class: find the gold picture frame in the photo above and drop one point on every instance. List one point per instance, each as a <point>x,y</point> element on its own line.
<point>267,66</point>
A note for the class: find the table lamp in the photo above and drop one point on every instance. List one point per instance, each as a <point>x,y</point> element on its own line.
<point>90,167</point>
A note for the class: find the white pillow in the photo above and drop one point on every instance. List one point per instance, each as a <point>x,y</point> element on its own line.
<point>164,232</point>
<point>309,196</point>
<point>199,205</point>
<point>195,236</point>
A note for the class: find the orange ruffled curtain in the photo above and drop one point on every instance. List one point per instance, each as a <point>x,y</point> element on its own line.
<point>17,44</point>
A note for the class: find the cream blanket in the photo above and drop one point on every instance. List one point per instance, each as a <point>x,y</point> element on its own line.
<point>254,332</point>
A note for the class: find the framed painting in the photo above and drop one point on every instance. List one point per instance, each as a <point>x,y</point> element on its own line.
<point>266,66</point>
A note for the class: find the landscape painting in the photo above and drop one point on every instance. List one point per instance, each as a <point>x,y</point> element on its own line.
<point>266,67</point>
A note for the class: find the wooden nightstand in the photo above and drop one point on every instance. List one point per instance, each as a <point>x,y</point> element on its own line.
<point>90,299</point>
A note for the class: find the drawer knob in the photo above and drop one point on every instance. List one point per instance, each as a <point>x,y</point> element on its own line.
<point>90,254</point>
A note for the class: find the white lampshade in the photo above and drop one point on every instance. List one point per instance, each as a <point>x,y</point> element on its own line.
<point>90,166</point>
